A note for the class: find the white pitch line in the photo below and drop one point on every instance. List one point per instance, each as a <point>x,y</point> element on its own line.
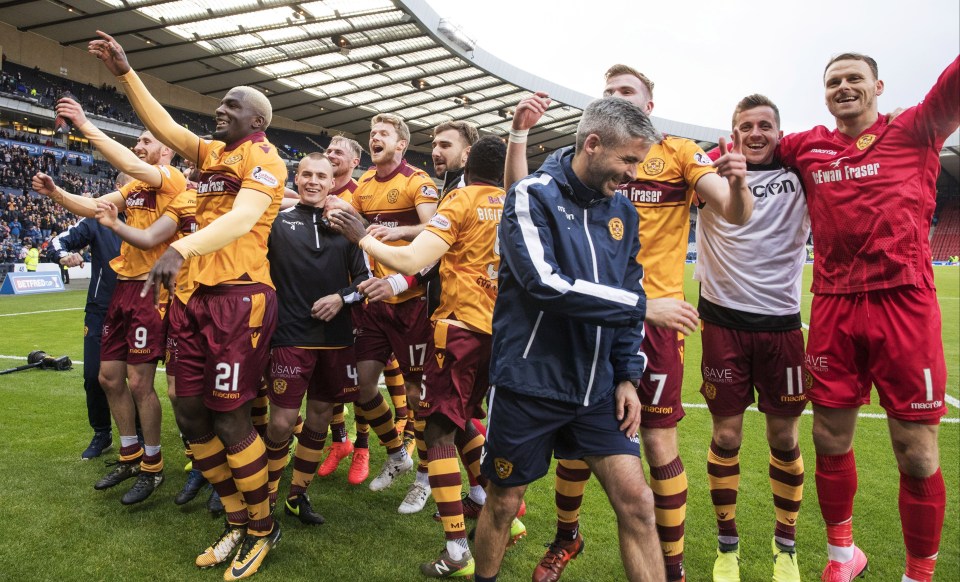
<point>699,405</point>
<point>861,415</point>
<point>47,311</point>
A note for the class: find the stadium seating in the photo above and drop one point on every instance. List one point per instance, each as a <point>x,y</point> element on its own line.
<point>946,235</point>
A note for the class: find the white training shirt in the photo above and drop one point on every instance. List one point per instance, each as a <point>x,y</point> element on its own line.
<point>756,267</point>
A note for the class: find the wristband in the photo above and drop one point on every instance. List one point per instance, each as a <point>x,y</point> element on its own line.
<point>518,135</point>
<point>398,283</point>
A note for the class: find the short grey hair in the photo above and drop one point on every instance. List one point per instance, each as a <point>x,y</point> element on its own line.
<point>614,121</point>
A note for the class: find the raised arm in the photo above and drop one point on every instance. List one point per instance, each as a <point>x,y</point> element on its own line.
<point>425,212</point>
<point>727,191</point>
<point>80,205</point>
<point>119,156</point>
<point>154,116</point>
<point>160,231</point>
<point>527,114</point>
<point>248,207</point>
<point>426,248</point>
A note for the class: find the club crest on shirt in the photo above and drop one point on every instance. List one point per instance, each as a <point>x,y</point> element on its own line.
<point>615,226</point>
<point>865,141</point>
<point>709,390</point>
<point>233,159</point>
<point>653,166</point>
<point>393,195</point>
<point>279,386</point>
<point>503,467</point>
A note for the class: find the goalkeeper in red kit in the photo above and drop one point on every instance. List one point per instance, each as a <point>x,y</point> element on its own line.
<point>871,191</point>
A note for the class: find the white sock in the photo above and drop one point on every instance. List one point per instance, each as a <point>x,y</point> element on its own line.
<point>907,579</point>
<point>478,494</point>
<point>126,441</point>
<point>423,479</point>
<point>151,450</point>
<point>399,455</point>
<point>457,548</point>
<point>840,553</point>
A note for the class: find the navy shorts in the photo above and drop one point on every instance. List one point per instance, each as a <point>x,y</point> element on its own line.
<point>524,431</point>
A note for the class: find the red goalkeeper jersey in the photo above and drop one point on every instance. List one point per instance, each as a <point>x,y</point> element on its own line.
<point>872,197</point>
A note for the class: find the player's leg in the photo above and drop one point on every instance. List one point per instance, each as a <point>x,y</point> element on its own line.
<point>334,379</point>
<point>140,380</point>
<point>287,380</point>
<point>340,446</point>
<point>922,495</point>
<point>493,529</point>
<point>98,409</point>
<point>786,482</point>
<point>835,371</point>
<point>146,337</point>
<point>113,380</point>
<point>470,446</point>
<point>622,478</point>
<point>521,433</point>
<point>373,350</point>
<point>909,371</point>
<point>836,478</point>
<point>306,460</point>
<point>237,327</point>
<point>782,397</point>
<point>727,389</point>
<point>723,475</point>
<point>446,485</point>
<point>661,410</point>
<point>456,382</point>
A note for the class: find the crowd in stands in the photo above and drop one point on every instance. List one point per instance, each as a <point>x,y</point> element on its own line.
<point>44,89</point>
<point>26,217</point>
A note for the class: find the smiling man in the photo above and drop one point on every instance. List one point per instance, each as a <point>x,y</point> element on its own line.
<point>317,272</point>
<point>875,319</point>
<point>675,175</point>
<point>750,307</point>
<point>230,318</point>
<point>133,333</point>
<point>396,200</point>
<point>567,330</point>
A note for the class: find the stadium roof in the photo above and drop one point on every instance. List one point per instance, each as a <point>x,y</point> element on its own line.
<point>331,63</point>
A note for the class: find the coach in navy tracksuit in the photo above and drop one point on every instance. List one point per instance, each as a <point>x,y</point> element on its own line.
<point>567,328</point>
<point>104,246</point>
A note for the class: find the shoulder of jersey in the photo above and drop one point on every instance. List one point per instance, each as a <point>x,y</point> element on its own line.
<point>367,176</point>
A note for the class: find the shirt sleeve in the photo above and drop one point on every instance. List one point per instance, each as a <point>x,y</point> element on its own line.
<point>265,173</point>
<point>426,190</point>
<point>448,222</point>
<point>938,115</point>
<point>694,163</point>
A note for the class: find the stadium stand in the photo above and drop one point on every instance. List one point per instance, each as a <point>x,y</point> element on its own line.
<point>946,234</point>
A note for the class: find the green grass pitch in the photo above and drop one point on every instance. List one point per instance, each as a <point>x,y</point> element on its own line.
<point>56,527</point>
